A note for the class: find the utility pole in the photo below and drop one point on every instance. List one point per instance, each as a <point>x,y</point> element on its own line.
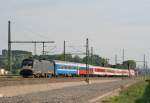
<point>123,56</point>
<point>144,65</point>
<point>129,69</point>
<point>10,42</point>
<point>116,59</point>
<point>87,60</point>
<point>9,46</point>
<point>64,50</point>
<point>35,49</point>
<point>146,69</point>
<point>91,55</point>
<point>123,61</point>
<point>43,48</point>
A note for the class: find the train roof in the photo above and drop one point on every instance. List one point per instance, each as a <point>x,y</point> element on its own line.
<point>78,64</point>
<point>83,65</point>
<point>69,63</point>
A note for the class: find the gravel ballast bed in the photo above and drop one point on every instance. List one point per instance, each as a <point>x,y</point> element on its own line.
<point>77,94</point>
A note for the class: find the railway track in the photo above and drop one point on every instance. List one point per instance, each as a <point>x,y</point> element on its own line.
<point>5,81</point>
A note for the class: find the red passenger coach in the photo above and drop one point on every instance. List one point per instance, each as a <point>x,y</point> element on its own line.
<point>99,70</point>
<point>106,71</point>
<point>83,72</point>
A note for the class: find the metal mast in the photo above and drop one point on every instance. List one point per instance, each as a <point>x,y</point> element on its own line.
<point>116,59</point>
<point>10,41</point>
<point>91,55</point>
<point>64,50</point>
<point>87,60</point>
<point>144,66</point>
<point>123,55</point>
<point>9,46</point>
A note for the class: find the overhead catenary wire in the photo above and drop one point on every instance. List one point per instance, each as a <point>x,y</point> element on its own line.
<point>29,30</point>
<point>76,50</point>
<point>26,32</point>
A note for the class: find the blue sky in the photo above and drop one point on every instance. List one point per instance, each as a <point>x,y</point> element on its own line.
<point>110,25</point>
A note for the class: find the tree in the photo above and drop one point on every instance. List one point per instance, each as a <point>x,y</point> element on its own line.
<point>77,59</point>
<point>68,57</point>
<point>119,66</point>
<point>3,63</point>
<point>129,64</point>
<point>96,60</point>
<point>17,57</point>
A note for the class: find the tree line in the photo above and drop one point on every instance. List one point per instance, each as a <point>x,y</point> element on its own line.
<point>96,60</point>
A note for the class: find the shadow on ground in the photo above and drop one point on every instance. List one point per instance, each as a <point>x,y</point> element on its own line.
<point>146,96</point>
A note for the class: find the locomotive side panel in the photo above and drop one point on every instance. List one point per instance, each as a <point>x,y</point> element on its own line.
<point>43,66</point>
<point>37,68</point>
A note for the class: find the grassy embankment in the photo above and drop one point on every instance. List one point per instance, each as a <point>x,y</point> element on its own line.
<point>137,93</point>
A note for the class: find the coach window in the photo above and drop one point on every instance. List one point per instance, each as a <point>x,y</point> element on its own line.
<point>66,67</point>
<point>62,67</point>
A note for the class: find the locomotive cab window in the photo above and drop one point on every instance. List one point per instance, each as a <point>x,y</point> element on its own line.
<point>27,63</point>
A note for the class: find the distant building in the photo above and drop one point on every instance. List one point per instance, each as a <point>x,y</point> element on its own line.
<point>16,52</point>
<point>17,57</point>
<point>3,71</point>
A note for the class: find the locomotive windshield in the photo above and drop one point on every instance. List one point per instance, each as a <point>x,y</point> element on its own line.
<point>27,62</point>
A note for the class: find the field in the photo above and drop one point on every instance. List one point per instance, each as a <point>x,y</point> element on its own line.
<point>137,93</point>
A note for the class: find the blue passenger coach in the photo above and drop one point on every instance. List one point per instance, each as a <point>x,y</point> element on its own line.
<point>65,68</point>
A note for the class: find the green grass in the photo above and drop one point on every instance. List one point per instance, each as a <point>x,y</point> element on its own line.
<point>137,93</point>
